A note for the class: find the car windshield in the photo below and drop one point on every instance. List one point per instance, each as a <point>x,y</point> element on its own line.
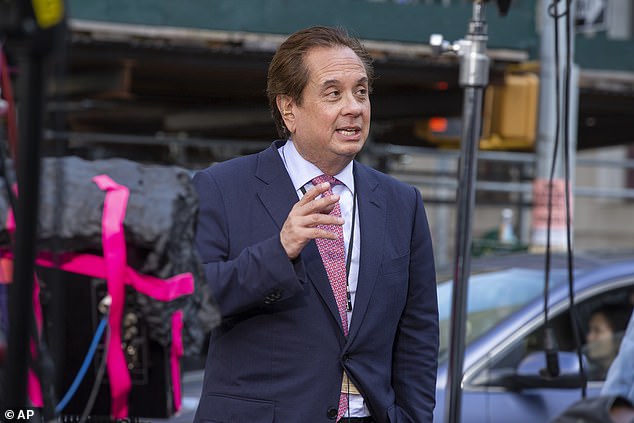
<point>492,297</point>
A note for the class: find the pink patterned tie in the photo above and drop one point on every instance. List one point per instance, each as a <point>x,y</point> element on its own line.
<point>333,255</point>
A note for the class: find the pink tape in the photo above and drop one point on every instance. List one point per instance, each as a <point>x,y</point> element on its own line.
<point>114,252</point>
<point>95,266</point>
<point>34,388</point>
<point>176,352</point>
<point>10,224</point>
<point>37,307</point>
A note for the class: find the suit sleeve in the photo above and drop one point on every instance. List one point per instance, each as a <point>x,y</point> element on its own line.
<point>258,276</point>
<point>416,347</point>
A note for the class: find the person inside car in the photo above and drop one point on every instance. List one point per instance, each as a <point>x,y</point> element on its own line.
<point>620,379</point>
<point>614,405</point>
<point>605,329</point>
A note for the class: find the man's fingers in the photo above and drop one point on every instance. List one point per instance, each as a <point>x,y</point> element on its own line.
<point>317,211</point>
<point>298,230</point>
<point>327,206</point>
<point>317,219</point>
<point>323,233</point>
<point>314,192</point>
<point>318,232</point>
<point>311,204</point>
<point>305,219</point>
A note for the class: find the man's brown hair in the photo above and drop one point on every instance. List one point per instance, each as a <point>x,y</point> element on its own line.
<point>288,74</point>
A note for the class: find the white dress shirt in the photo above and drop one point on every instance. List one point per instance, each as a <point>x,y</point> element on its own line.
<point>302,173</point>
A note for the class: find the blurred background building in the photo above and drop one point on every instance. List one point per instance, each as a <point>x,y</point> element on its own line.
<point>184,83</point>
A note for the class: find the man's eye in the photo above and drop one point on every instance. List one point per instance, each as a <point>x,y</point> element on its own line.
<point>333,94</point>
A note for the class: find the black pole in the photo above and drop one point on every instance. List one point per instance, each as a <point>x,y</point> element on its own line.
<point>28,177</point>
<point>473,77</point>
<point>462,264</point>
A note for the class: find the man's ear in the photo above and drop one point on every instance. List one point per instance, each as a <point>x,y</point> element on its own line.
<point>285,105</point>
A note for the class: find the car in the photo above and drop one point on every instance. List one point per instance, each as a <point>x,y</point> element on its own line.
<point>503,380</point>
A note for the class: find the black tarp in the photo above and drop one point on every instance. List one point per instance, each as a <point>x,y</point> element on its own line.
<point>159,230</point>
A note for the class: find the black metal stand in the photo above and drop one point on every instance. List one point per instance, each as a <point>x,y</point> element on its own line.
<point>28,176</point>
<point>474,71</point>
<point>35,30</point>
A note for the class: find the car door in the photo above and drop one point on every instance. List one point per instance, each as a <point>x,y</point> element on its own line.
<point>508,378</point>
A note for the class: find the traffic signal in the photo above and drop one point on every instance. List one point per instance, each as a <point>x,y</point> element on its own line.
<point>509,117</point>
<point>510,113</point>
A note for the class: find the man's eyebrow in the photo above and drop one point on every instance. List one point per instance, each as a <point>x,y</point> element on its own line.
<point>330,82</point>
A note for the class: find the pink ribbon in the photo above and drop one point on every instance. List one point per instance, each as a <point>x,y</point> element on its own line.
<point>176,352</point>
<point>114,252</point>
<point>95,266</point>
<point>117,274</point>
<point>34,389</point>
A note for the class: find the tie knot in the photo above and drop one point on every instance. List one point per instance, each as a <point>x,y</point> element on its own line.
<point>326,178</point>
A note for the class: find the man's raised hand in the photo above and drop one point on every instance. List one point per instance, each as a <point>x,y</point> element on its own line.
<point>302,222</point>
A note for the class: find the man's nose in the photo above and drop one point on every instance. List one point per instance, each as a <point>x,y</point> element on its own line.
<point>352,105</point>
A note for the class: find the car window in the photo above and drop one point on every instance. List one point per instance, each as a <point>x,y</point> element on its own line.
<point>492,296</point>
<point>598,352</point>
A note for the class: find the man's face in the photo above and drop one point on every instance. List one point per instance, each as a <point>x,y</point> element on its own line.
<point>332,123</point>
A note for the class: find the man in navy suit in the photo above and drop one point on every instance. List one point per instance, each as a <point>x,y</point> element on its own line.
<point>322,267</point>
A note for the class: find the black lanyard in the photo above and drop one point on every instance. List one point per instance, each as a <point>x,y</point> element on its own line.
<point>350,245</point>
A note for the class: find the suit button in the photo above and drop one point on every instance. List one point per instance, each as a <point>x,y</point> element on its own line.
<point>346,357</point>
<point>273,297</point>
<point>332,413</point>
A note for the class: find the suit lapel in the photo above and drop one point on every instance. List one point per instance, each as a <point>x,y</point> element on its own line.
<point>277,194</point>
<point>319,278</point>
<point>276,191</point>
<point>372,217</point>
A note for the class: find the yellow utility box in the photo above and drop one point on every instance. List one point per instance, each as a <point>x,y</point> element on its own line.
<point>509,117</point>
<point>510,113</point>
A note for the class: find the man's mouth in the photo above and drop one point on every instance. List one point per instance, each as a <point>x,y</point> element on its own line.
<point>348,132</point>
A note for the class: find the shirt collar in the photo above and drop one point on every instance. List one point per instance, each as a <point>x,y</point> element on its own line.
<point>302,171</point>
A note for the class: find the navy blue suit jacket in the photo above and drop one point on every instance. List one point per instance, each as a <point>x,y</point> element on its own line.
<point>280,352</point>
